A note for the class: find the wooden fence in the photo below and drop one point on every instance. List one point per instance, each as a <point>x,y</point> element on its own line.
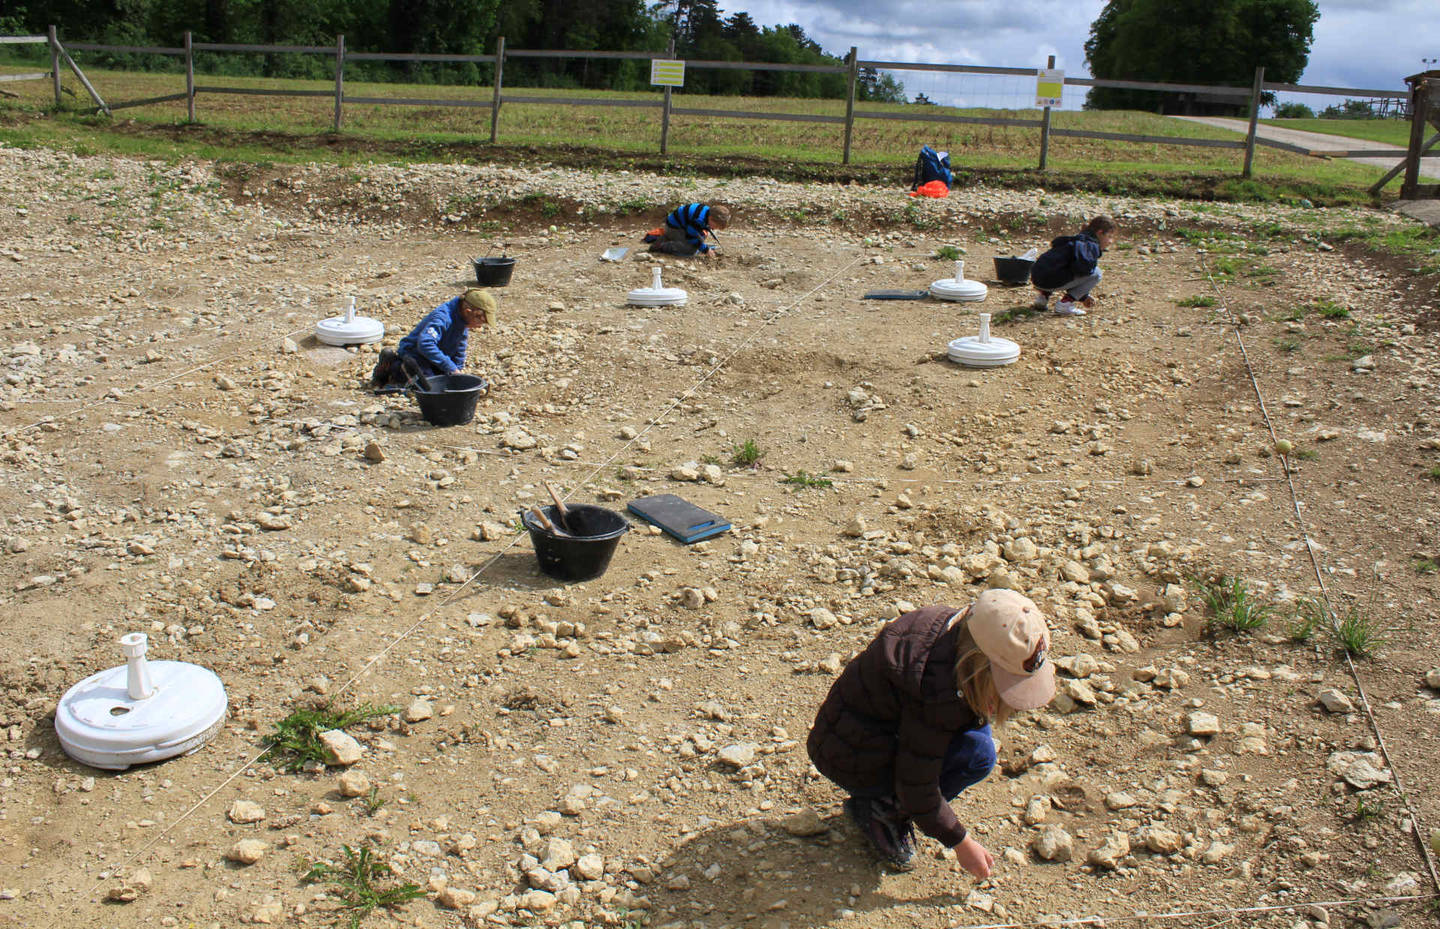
<point>851,68</point>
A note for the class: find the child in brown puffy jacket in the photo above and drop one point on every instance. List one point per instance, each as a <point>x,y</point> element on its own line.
<point>906,727</point>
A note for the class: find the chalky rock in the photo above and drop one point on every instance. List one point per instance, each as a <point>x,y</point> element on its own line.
<point>140,711</point>
<point>1054,844</point>
<point>1335,701</point>
<point>1203,725</point>
<point>349,329</point>
<point>1110,852</point>
<point>1361,770</point>
<point>738,755</point>
<point>657,294</point>
<point>341,749</point>
<point>959,289</point>
<point>804,823</point>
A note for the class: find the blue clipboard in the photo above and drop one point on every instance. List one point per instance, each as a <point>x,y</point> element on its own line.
<point>679,518</point>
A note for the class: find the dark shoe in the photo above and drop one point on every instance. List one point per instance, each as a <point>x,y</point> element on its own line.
<point>891,835</point>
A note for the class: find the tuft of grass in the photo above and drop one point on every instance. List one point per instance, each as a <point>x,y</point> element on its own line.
<point>1329,309</point>
<point>1233,606</point>
<point>806,479</point>
<point>947,253</point>
<point>1199,300</point>
<point>374,803</point>
<point>1433,473</point>
<point>1016,313</point>
<point>356,883</point>
<point>1309,615</point>
<point>1426,566</point>
<point>747,454</point>
<point>1359,634</point>
<point>1368,810</point>
<point>1305,454</point>
<point>1288,345</point>
<point>296,738</point>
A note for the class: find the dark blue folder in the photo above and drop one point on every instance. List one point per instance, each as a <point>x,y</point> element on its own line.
<point>679,518</point>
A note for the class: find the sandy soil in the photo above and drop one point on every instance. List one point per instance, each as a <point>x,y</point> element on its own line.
<point>180,458</point>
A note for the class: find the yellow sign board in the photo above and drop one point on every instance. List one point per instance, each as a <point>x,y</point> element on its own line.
<point>667,72</point>
<point>1049,87</point>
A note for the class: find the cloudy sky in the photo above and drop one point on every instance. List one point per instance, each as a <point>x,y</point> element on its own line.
<point>1370,44</point>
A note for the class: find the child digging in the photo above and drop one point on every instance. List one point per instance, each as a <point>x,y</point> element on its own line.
<point>683,233</point>
<point>906,727</point>
<point>1072,265</point>
<point>437,345</point>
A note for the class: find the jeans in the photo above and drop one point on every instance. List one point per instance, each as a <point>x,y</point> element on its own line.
<point>969,758</point>
<point>1080,288</point>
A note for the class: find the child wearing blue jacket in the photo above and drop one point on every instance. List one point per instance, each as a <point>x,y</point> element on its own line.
<point>1073,265</point>
<point>684,231</point>
<point>438,344</point>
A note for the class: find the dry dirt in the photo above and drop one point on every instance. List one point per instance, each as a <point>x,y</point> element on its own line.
<point>171,465</point>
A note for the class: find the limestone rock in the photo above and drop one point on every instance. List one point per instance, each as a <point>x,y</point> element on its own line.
<point>738,755</point>
<point>1203,725</point>
<point>340,747</point>
<point>353,783</point>
<point>1335,701</point>
<point>1110,852</point>
<point>1361,770</point>
<point>246,851</point>
<point>418,711</point>
<point>245,811</point>
<point>1054,844</point>
<point>804,823</point>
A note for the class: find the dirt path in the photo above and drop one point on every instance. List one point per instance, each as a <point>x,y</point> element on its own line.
<point>1319,141</point>
<point>630,750</point>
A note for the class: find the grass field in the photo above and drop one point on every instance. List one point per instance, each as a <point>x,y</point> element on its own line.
<point>1390,131</point>
<point>247,127</point>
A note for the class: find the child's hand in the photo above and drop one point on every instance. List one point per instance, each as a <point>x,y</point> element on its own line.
<point>973,857</point>
<point>710,253</point>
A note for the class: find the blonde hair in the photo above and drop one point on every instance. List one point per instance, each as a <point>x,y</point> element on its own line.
<point>973,680</point>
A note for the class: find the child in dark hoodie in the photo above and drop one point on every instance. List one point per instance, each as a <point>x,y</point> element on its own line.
<point>437,345</point>
<point>684,231</point>
<point>906,727</point>
<point>1073,265</point>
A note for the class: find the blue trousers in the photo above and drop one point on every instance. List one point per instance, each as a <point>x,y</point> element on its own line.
<point>969,759</point>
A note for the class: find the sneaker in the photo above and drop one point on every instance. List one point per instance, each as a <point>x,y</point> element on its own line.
<point>889,832</point>
<point>1042,300</point>
<point>1068,307</point>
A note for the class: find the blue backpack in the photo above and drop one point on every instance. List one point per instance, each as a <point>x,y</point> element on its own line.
<point>932,166</point>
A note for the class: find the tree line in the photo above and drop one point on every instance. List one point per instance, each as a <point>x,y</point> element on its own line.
<point>698,29</point>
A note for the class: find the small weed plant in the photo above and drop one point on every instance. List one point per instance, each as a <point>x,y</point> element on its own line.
<point>806,479</point>
<point>1309,615</point>
<point>296,738</point>
<point>747,454</point>
<point>1288,345</point>
<point>1368,810</point>
<point>356,883</point>
<point>1233,607</point>
<point>1329,309</point>
<point>1426,566</point>
<point>1433,473</point>
<point>1199,300</point>
<point>1358,633</point>
<point>947,253</point>
<point>374,803</point>
<point>1307,454</point>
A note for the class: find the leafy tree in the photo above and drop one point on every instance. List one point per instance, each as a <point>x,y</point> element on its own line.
<point>922,100</point>
<point>1196,42</point>
<point>1349,109</point>
<point>1293,111</point>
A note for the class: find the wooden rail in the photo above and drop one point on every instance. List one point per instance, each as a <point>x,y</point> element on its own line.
<point>850,67</point>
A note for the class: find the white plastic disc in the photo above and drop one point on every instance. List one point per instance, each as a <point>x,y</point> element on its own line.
<point>957,288</point>
<point>360,330</point>
<point>983,350</point>
<point>656,294</point>
<point>101,725</point>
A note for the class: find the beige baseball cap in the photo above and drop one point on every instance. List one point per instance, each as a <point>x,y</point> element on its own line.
<point>1011,631</point>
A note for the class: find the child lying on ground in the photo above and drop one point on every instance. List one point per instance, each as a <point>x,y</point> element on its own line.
<point>906,727</point>
<point>684,231</point>
<point>438,344</point>
<point>1072,265</point>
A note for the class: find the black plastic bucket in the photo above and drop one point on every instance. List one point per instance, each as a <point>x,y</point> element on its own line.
<point>585,552</point>
<point>1013,270</point>
<point>450,399</point>
<point>494,272</point>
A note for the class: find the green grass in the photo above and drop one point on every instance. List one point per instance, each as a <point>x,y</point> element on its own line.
<point>374,803</point>
<point>1426,566</point>
<point>1308,616</point>
<point>1390,131</point>
<point>1433,473</point>
<point>1232,606</point>
<point>254,128</point>
<point>296,738</point>
<point>1419,243</point>
<point>1199,300</point>
<point>947,253</point>
<point>1368,810</point>
<point>1359,634</point>
<point>356,884</point>
<point>1305,454</point>
<point>1329,309</point>
<point>806,479</point>
<point>747,454</point>
<point>1288,344</point>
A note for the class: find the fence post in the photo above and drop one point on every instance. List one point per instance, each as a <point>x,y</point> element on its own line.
<point>189,78</point>
<point>665,108</point>
<point>850,100</point>
<point>55,63</point>
<point>339,81</point>
<point>495,94</point>
<point>1254,120</point>
<point>1045,124</point>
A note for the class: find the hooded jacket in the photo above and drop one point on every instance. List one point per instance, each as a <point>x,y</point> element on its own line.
<point>441,338</point>
<point>891,714</point>
<point>1070,257</point>
<point>693,219</point>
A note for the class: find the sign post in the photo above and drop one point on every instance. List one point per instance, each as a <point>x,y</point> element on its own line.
<point>1049,87</point>
<point>668,73</point>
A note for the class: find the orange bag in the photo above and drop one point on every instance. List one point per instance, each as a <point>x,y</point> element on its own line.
<point>936,189</point>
